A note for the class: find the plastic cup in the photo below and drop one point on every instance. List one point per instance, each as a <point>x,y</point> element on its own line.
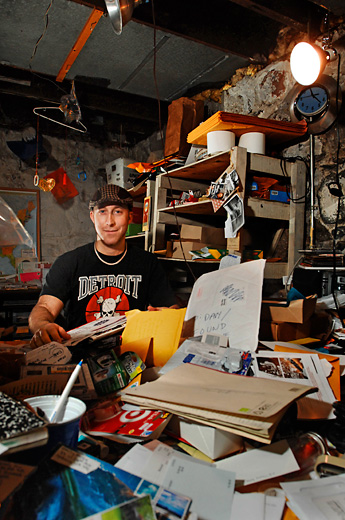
<point>65,431</point>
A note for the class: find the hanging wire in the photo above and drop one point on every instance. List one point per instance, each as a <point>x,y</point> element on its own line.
<point>335,232</point>
<point>46,22</point>
<point>36,176</point>
<point>178,225</point>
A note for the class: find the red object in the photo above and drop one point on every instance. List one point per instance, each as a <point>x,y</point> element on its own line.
<point>64,188</point>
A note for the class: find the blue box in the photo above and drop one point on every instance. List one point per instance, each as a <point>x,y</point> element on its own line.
<point>281,196</point>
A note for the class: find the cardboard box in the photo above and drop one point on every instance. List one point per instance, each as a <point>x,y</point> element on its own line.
<point>187,246</point>
<point>210,236</point>
<point>319,325</point>
<point>298,311</point>
<point>211,441</point>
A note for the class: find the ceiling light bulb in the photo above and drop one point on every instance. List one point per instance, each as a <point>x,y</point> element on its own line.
<point>306,63</point>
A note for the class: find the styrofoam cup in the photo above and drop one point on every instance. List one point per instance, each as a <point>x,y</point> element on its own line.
<point>65,431</point>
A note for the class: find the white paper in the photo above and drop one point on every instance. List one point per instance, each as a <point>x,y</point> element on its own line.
<point>304,369</point>
<point>261,464</point>
<point>249,506</point>
<point>134,460</point>
<point>210,488</point>
<point>228,302</point>
<point>50,354</point>
<point>321,499</point>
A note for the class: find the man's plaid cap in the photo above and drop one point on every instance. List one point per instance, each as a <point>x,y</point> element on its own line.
<point>111,194</point>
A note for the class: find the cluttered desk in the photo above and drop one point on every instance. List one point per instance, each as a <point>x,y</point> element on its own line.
<point>175,414</point>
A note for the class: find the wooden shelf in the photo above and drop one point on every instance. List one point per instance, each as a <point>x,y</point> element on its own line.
<point>206,169</point>
<point>254,207</point>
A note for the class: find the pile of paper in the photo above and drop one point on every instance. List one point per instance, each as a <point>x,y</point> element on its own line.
<point>275,131</point>
<point>248,406</point>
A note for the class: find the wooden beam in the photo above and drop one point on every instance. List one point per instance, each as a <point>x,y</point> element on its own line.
<point>272,14</point>
<point>89,26</point>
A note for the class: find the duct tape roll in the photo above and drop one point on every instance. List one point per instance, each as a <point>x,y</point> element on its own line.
<point>254,142</point>
<point>220,141</point>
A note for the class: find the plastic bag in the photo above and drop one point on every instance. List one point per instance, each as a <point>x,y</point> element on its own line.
<point>12,231</point>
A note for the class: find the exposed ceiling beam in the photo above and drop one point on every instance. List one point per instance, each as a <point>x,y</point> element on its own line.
<point>89,26</point>
<point>42,88</point>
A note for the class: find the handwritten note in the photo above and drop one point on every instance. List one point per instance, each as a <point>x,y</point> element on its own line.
<point>228,302</point>
<point>76,461</point>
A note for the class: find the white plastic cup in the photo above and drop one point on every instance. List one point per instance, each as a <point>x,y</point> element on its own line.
<point>65,431</point>
<point>254,142</point>
<point>220,141</point>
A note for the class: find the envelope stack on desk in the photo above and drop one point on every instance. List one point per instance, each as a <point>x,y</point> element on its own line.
<point>251,407</point>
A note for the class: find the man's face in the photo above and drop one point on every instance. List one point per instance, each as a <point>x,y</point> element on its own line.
<point>111,223</point>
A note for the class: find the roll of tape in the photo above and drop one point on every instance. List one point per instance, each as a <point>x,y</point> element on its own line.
<point>253,141</point>
<point>220,141</point>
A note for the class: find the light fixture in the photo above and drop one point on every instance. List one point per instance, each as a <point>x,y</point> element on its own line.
<point>308,61</point>
<point>120,12</point>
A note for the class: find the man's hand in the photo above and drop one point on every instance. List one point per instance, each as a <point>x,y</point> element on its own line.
<point>47,333</point>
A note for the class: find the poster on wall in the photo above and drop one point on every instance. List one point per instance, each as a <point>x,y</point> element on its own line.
<point>25,205</point>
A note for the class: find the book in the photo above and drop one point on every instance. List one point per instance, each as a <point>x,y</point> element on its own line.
<point>20,427</point>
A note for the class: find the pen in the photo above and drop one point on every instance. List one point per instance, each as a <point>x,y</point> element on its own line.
<point>63,398</point>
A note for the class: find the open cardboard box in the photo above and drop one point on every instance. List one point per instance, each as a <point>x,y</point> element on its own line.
<point>297,311</point>
<point>207,235</point>
<point>211,441</point>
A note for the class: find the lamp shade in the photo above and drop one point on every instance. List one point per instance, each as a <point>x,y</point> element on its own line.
<point>307,61</point>
<point>120,12</point>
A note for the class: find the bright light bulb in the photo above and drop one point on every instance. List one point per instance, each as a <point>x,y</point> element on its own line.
<point>305,63</point>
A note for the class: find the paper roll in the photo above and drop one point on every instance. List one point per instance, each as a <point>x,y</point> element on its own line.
<point>253,141</point>
<point>220,141</point>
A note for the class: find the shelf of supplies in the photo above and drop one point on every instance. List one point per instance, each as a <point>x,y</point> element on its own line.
<point>254,207</point>
<point>207,169</point>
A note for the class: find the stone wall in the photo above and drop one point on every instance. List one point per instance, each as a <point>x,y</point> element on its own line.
<point>266,94</point>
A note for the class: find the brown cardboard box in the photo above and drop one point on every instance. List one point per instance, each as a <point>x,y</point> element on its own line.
<point>298,311</point>
<point>187,246</point>
<point>210,236</point>
<point>318,325</point>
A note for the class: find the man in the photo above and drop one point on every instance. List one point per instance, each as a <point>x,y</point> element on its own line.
<point>101,278</point>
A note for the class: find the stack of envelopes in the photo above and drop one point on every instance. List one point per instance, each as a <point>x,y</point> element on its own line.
<point>248,406</point>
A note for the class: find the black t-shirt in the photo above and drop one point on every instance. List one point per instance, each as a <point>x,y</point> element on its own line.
<point>91,289</point>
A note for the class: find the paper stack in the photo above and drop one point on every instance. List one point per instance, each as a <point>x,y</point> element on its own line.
<point>248,406</point>
<point>275,131</point>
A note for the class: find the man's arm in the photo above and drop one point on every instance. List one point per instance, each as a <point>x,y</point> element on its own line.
<point>41,321</point>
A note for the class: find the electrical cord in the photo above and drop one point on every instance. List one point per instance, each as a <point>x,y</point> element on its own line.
<point>335,232</point>
<point>283,160</point>
<point>178,225</point>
